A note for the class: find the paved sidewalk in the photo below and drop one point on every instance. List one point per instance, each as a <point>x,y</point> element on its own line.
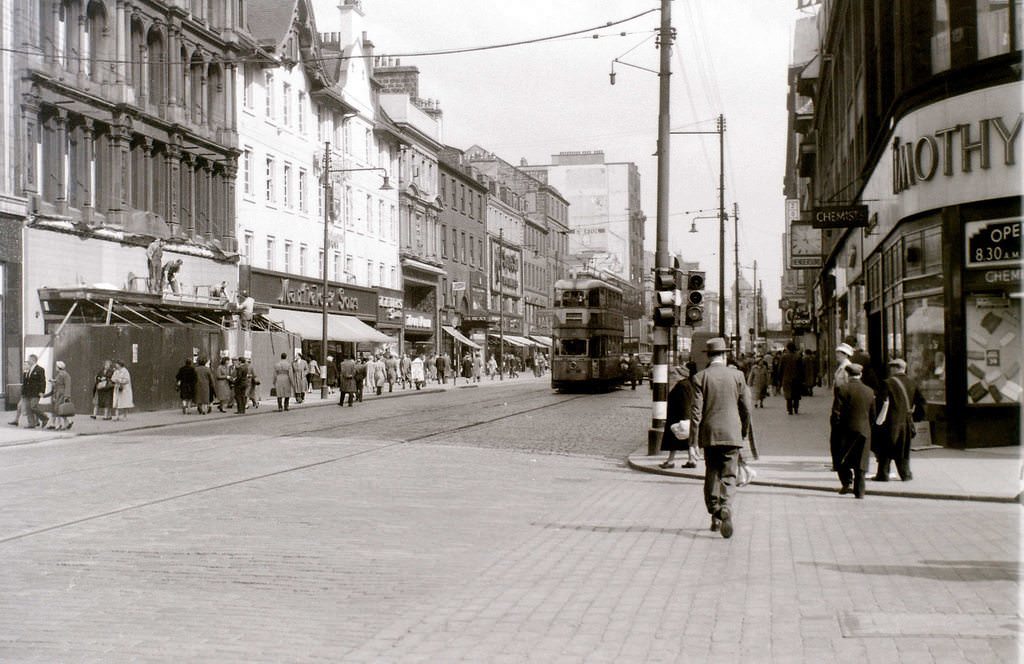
<point>794,454</point>
<point>85,426</point>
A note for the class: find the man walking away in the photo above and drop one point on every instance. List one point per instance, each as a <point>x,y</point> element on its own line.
<point>633,369</point>
<point>791,370</point>
<point>347,380</point>
<point>903,405</point>
<point>853,412</point>
<point>721,412</point>
<point>33,384</point>
<point>240,385</point>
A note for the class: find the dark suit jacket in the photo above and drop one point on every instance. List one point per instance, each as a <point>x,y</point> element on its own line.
<point>853,409</point>
<point>721,406</point>
<point>791,373</point>
<point>33,383</point>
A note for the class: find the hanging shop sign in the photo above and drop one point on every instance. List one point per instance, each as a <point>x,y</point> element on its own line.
<point>839,216</point>
<point>389,306</point>
<point>993,243</point>
<point>418,320</point>
<point>505,269</point>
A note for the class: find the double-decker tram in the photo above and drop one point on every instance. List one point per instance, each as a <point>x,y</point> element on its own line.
<point>588,329</point>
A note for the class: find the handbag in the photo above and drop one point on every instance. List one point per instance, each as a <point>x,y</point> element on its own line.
<point>273,391</point>
<point>681,429</point>
<point>65,408</point>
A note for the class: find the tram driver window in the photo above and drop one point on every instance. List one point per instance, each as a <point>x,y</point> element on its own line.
<point>573,347</point>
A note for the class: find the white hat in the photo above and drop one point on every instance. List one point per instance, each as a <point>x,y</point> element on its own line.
<point>845,349</point>
<point>60,364</point>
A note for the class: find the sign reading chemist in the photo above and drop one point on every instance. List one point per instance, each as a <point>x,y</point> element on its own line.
<point>839,216</point>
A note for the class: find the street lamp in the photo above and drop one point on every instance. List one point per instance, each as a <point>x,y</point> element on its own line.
<point>327,170</point>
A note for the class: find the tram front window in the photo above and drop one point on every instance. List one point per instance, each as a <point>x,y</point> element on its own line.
<point>572,347</point>
<point>573,298</point>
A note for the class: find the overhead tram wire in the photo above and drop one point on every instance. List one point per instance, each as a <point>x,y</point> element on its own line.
<point>574,34</point>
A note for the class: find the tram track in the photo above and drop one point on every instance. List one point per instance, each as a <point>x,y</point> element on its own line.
<point>483,406</point>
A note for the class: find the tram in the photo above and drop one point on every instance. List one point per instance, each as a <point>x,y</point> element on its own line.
<point>588,331</point>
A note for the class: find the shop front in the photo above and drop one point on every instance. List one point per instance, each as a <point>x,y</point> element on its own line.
<point>421,306</point>
<point>10,305</point>
<point>296,304</point>
<point>941,269</point>
<point>390,305</point>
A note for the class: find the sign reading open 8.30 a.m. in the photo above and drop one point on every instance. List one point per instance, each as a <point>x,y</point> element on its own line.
<point>993,243</point>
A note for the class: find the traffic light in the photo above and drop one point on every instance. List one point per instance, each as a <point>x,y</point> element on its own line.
<point>664,297</point>
<point>694,298</point>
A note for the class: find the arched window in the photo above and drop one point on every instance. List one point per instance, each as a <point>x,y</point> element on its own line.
<point>157,66</point>
<point>197,74</point>
<point>215,96</point>
<point>96,41</point>
<point>136,55</point>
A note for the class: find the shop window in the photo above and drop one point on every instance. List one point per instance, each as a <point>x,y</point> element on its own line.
<point>940,37</point>
<point>993,350</point>
<point>913,254</point>
<point>994,26</point>
<point>925,346</point>
<point>933,250</point>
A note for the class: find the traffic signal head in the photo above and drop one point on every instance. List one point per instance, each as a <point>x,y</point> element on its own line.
<point>694,313</point>
<point>664,297</point>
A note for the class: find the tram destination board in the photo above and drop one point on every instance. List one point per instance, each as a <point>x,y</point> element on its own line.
<point>993,243</point>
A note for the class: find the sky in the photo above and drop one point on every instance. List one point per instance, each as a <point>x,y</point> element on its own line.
<point>533,101</point>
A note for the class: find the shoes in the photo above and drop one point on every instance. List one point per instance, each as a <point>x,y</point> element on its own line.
<point>879,478</point>
<point>726,516</point>
<point>716,524</point>
<point>69,425</point>
<point>92,417</point>
<point>666,464</point>
<point>106,418</point>
<point>688,464</point>
<point>845,490</point>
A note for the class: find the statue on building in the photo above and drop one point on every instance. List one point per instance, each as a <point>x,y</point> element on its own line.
<point>154,256</point>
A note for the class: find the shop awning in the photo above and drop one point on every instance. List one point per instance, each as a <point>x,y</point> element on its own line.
<point>460,337</point>
<point>309,325</point>
<point>511,340</point>
<point>542,340</point>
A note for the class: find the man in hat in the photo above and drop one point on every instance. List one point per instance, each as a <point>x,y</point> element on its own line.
<point>844,353</point>
<point>853,413</point>
<point>721,413</point>
<point>241,376</point>
<point>902,405</point>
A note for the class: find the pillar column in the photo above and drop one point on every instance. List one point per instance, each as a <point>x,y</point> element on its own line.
<point>89,161</point>
<point>30,143</point>
<point>208,199</point>
<point>78,66</point>
<point>59,170</point>
<point>204,96</point>
<point>147,175</point>
<point>173,170</point>
<point>229,238</point>
<point>230,91</point>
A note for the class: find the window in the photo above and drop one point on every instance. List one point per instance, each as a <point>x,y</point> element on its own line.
<point>369,272</point>
<point>368,145</point>
<point>303,198</point>
<point>337,266</point>
<point>319,123</point>
<point>380,275</point>
<point>270,180</point>
<point>349,222</point>
<point>940,37</point>
<point>472,253</point>
<point>286,104</point>
<point>303,255</point>
<point>287,256</point>
<point>247,86</point>
<point>268,91</point>
<point>348,267</point>
<point>300,113</point>
<point>369,214</point>
<point>462,244</point>
<point>394,278</point>
<point>271,249</point>
<point>286,186</point>
<point>250,246</point>
<point>247,184</point>
<point>380,218</point>
<point>320,262</point>
<point>444,241</point>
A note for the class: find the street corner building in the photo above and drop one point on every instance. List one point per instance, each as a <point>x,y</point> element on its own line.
<point>906,129</point>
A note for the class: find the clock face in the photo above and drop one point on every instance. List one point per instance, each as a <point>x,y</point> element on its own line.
<point>804,246</point>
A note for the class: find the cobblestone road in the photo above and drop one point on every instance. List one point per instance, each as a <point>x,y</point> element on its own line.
<point>348,545</point>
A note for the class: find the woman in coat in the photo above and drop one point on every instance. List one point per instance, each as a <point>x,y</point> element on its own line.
<point>417,372</point>
<point>223,384</point>
<point>103,391</point>
<point>376,374</point>
<point>186,382</point>
<point>758,380</point>
<point>204,386</point>
<point>61,390</point>
<point>123,397</point>
<point>283,386</point>
<point>680,401</point>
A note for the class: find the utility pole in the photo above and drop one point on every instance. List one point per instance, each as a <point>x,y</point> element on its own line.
<point>736,255</point>
<point>659,359</point>
<point>501,305</point>
<point>721,225</point>
<point>323,293</point>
